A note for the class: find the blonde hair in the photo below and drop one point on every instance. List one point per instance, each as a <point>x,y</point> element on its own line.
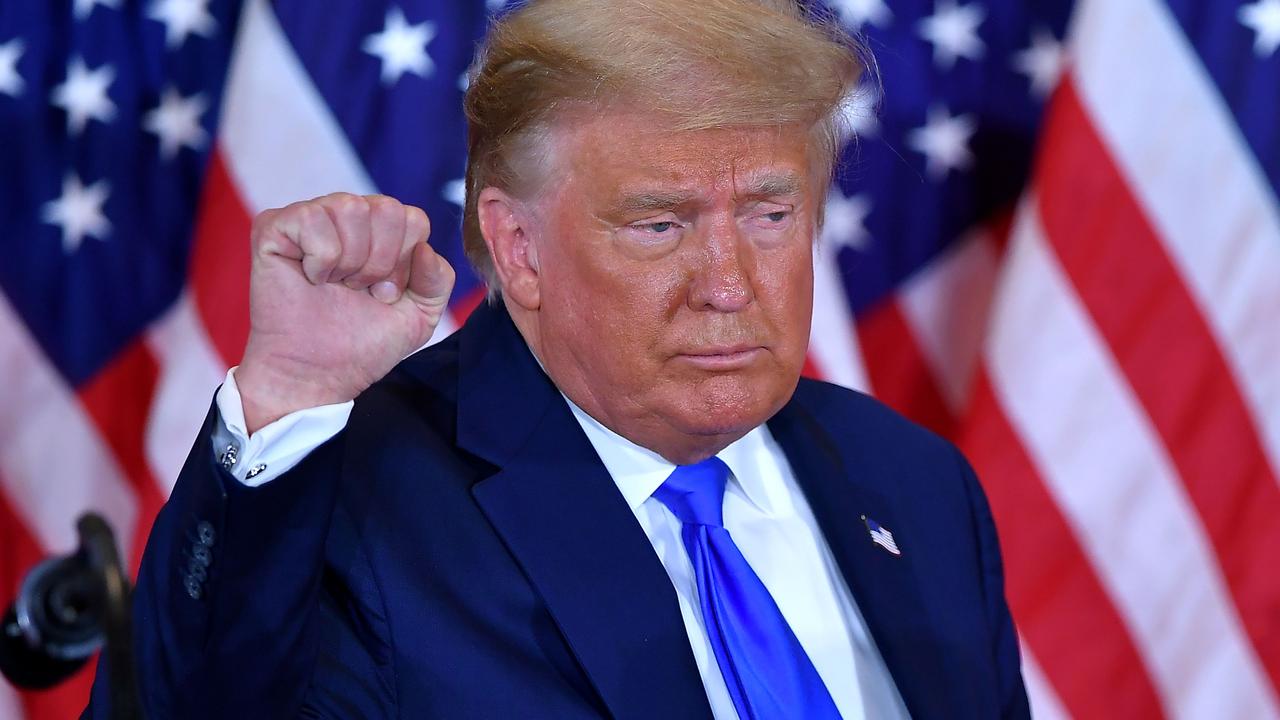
<point>704,63</point>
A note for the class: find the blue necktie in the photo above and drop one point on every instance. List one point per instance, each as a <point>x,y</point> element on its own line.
<point>767,671</point>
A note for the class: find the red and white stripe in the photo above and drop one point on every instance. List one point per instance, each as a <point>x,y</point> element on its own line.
<point>833,351</point>
<point>47,486</point>
<point>1044,701</point>
<point>1113,481</point>
<point>1197,181</point>
<point>1119,392</point>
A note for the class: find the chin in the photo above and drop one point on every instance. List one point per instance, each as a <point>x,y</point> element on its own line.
<point>730,405</point>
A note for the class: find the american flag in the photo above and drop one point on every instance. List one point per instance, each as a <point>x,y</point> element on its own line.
<point>1054,238</point>
<point>881,536</point>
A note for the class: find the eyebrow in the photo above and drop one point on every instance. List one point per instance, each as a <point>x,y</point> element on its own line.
<point>773,186</point>
<point>655,200</point>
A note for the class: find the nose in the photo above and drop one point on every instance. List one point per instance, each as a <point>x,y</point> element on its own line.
<point>721,277</point>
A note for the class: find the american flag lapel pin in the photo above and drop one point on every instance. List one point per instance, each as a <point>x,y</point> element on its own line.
<point>881,536</point>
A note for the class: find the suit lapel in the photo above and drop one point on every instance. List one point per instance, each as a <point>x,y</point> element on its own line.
<point>563,519</point>
<point>843,484</point>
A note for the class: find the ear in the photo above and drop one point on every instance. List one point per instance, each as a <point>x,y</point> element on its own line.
<point>505,225</point>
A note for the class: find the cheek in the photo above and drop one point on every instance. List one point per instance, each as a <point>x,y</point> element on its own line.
<point>787,286</point>
<point>637,307</point>
<point>612,313</point>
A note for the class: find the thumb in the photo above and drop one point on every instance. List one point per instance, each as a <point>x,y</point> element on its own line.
<point>430,279</point>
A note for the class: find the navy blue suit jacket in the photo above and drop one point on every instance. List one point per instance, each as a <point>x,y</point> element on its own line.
<point>459,551</point>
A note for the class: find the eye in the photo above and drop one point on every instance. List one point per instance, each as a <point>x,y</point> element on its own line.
<point>654,233</point>
<point>772,216</point>
<point>660,228</point>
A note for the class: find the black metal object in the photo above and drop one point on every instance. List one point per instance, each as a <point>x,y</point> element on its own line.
<point>68,608</point>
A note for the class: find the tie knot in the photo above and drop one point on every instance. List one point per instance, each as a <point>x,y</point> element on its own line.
<point>695,493</point>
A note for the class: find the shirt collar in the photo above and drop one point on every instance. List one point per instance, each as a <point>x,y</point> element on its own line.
<point>639,471</point>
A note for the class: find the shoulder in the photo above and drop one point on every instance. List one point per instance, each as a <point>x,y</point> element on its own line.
<point>403,424</point>
<point>876,445</point>
<point>857,420</point>
<point>424,387</point>
<point>927,476</point>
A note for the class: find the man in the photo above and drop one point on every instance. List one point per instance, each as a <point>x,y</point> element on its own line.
<point>610,494</point>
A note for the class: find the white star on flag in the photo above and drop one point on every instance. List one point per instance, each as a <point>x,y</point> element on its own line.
<point>953,31</point>
<point>83,95</point>
<point>182,18</point>
<point>401,47</point>
<point>1263,18</point>
<point>944,142</point>
<point>844,222</point>
<point>79,212</point>
<point>1043,62</point>
<point>11,83</point>
<point>455,191</point>
<point>176,122</point>
<point>856,13</point>
<point>858,112</point>
<point>82,8</point>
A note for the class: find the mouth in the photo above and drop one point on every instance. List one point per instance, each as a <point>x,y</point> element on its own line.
<point>722,358</point>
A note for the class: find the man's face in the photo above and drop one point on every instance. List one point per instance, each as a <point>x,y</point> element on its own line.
<point>676,279</point>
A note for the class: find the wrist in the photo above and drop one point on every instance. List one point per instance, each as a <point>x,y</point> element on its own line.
<point>268,393</point>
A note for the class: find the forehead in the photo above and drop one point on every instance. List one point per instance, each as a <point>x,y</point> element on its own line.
<point>628,151</point>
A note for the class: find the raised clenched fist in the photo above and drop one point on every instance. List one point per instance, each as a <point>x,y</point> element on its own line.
<point>342,288</point>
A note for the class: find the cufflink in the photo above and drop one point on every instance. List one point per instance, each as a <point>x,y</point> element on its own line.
<point>229,456</point>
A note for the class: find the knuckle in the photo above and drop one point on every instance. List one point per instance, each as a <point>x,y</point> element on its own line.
<point>263,222</point>
<point>446,271</point>
<point>265,217</point>
<point>381,203</point>
<point>336,199</point>
<point>386,217</point>
<point>351,206</point>
<point>328,253</point>
<point>308,214</point>
<point>307,210</point>
<point>417,224</point>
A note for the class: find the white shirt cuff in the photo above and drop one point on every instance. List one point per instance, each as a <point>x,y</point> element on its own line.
<point>275,448</point>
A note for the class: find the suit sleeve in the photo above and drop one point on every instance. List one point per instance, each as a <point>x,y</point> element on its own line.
<point>1005,653</point>
<point>228,608</point>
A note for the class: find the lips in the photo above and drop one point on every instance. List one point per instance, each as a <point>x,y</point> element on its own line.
<point>722,357</point>
<point>711,350</point>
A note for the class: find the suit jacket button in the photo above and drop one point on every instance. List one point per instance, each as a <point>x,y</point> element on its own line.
<point>197,571</point>
<point>201,554</point>
<point>204,531</point>
<point>194,591</point>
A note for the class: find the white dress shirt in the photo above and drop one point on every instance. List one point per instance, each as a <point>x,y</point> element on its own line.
<point>277,447</point>
<point>764,511</point>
